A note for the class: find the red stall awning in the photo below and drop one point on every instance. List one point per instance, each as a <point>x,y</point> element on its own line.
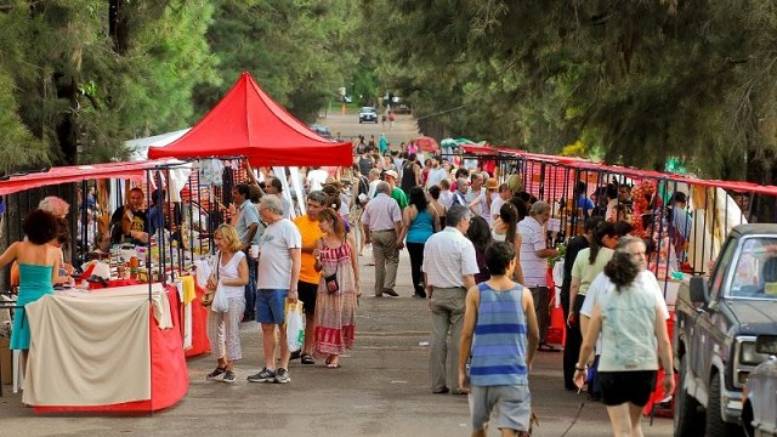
<point>77,173</point>
<point>247,122</point>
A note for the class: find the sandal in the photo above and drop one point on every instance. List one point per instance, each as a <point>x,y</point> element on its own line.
<point>330,364</point>
<point>307,359</point>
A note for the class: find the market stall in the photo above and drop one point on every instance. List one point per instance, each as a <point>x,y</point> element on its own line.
<point>247,123</point>
<point>120,321</point>
<point>108,351</point>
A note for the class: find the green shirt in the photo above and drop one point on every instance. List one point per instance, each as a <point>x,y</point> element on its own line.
<point>586,272</point>
<point>399,195</point>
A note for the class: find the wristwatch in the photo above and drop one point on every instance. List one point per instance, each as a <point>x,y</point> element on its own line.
<point>580,369</point>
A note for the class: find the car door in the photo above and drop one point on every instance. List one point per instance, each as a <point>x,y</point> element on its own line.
<point>705,332</point>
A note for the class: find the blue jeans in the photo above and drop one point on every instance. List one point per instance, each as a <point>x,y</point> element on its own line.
<point>250,292</point>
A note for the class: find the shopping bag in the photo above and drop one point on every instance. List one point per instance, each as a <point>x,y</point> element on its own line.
<point>220,302</point>
<point>295,325</point>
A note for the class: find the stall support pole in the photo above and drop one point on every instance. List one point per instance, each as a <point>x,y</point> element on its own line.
<point>191,220</point>
<point>150,287</point>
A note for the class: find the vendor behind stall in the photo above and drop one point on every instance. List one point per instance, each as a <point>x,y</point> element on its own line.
<point>129,223</point>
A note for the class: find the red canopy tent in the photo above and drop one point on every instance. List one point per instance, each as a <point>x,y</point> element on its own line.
<point>247,122</point>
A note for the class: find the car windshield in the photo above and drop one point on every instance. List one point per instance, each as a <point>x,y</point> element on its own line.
<point>368,109</point>
<point>755,275</point>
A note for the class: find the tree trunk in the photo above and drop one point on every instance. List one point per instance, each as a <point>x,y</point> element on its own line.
<point>118,25</point>
<point>760,170</point>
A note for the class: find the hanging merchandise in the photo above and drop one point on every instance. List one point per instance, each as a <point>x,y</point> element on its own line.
<point>228,182</point>
<point>179,177</point>
<point>211,171</point>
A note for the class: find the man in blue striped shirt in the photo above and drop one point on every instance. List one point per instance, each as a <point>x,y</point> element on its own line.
<point>500,314</point>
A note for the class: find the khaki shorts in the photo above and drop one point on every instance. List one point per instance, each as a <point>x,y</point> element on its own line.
<point>510,406</point>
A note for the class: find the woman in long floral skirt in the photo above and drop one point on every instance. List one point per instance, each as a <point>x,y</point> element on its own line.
<point>338,290</point>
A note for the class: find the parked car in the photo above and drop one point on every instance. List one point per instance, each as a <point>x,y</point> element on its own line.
<point>321,130</point>
<point>718,321</point>
<point>401,109</point>
<point>759,406</point>
<point>368,114</point>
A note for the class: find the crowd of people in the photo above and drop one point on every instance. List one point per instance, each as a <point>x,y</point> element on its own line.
<point>478,252</point>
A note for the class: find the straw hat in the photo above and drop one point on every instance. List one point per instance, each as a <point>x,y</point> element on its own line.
<point>492,184</point>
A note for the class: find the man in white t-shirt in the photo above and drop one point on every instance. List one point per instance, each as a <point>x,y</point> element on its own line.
<point>436,174</point>
<point>499,199</point>
<point>374,180</point>
<point>477,198</point>
<point>278,276</point>
<point>534,261</point>
<point>316,179</point>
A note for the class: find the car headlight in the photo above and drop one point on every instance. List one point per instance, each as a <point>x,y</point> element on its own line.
<point>749,355</point>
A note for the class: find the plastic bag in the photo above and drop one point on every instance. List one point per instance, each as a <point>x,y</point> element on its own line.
<point>295,326</point>
<point>220,302</point>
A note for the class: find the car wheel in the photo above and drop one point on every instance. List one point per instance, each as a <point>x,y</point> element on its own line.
<point>688,420</point>
<point>714,424</point>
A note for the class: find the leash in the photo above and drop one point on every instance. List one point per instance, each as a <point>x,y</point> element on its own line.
<point>577,415</point>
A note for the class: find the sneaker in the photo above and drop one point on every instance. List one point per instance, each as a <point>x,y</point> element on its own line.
<point>215,374</point>
<point>229,377</point>
<point>282,376</point>
<point>265,375</point>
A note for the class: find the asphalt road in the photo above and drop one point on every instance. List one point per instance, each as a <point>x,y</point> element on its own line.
<point>382,388</point>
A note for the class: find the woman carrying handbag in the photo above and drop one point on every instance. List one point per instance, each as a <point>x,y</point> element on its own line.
<point>227,284</point>
<point>338,290</point>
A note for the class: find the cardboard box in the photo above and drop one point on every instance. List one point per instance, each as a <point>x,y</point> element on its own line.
<point>6,376</point>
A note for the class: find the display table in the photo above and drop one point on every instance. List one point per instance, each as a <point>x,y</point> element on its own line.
<point>111,350</point>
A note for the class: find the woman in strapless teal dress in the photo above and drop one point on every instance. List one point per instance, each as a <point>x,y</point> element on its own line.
<point>39,264</point>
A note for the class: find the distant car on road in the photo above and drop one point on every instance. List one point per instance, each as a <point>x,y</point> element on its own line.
<point>368,114</point>
<point>401,109</point>
<point>321,130</point>
<point>759,409</point>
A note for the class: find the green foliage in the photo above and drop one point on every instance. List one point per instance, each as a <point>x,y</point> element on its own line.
<point>637,80</point>
<point>296,50</point>
<point>18,147</point>
<point>78,95</point>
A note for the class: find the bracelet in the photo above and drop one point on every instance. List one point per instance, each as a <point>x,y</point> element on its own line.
<point>580,369</point>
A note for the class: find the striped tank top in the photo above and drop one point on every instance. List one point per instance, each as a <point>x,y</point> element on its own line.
<point>499,345</point>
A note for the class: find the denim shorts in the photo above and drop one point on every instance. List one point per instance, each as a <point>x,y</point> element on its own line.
<point>270,305</point>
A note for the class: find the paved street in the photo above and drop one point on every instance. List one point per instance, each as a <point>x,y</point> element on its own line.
<point>382,389</point>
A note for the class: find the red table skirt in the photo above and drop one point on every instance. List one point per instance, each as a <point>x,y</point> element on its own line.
<point>658,393</point>
<point>169,374</point>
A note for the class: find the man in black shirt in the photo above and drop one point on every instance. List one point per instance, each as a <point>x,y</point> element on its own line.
<point>574,337</point>
<point>129,223</point>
